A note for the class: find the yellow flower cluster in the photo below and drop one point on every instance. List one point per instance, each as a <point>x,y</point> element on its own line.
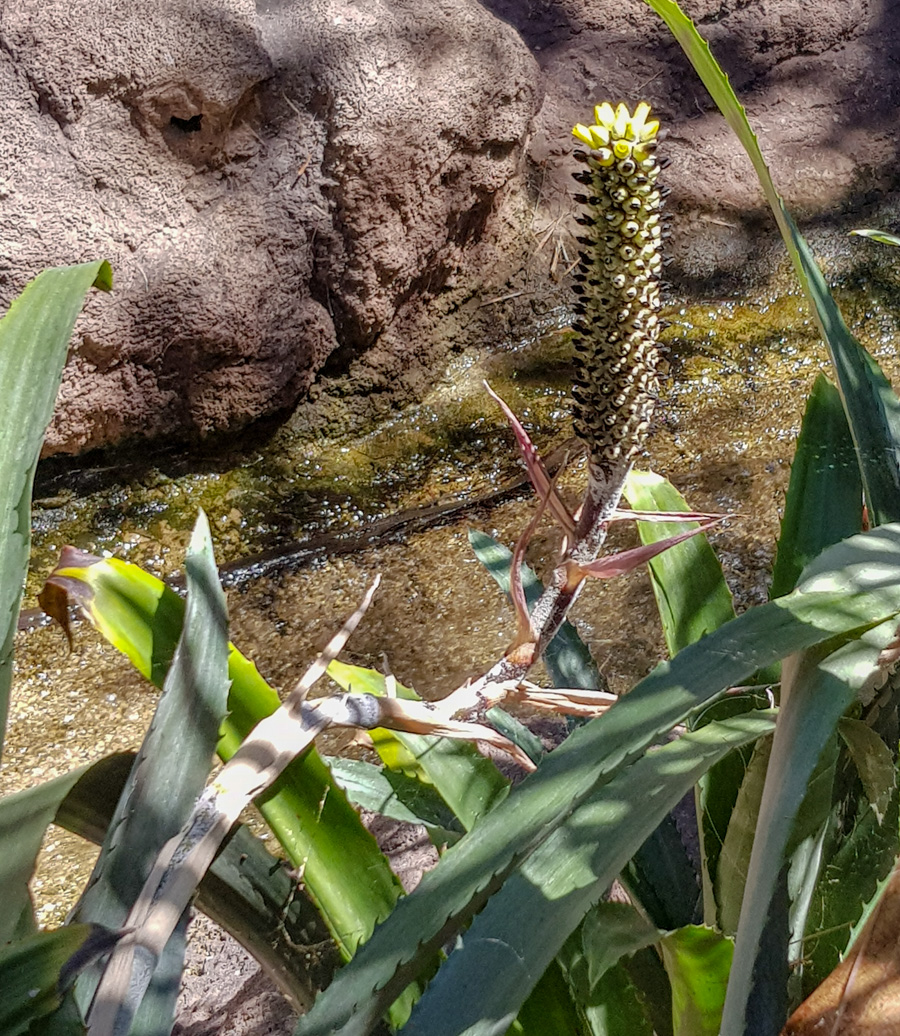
<point>617,134</point>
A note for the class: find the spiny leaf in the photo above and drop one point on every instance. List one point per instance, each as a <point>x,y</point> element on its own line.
<point>612,931</point>
<point>849,887</point>
<point>815,693</point>
<point>24,817</point>
<point>246,891</point>
<point>169,773</point>
<point>29,975</point>
<point>496,960</point>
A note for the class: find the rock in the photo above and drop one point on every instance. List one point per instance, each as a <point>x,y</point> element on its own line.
<point>272,189</point>
<point>314,201</point>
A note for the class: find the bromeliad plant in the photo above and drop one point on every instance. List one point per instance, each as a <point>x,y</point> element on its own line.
<point>621,259</point>
<point>521,882</point>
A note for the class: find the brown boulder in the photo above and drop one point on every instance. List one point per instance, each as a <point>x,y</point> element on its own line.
<point>331,190</point>
<point>268,187</point>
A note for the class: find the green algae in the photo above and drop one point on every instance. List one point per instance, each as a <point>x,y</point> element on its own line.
<point>293,486</point>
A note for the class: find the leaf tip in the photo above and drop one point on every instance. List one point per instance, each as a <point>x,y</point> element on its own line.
<point>104,279</point>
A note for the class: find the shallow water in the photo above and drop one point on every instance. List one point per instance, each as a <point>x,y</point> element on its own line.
<point>729,415</point>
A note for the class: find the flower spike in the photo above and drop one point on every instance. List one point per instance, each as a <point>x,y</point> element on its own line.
<point>618,287</point>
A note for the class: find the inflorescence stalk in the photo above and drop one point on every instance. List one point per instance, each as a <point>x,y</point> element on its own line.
<point>617,284</point>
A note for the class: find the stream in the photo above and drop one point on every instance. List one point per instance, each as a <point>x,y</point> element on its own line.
<point>732,399</point>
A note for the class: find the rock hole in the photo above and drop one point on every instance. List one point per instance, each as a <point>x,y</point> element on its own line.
<point>191,125</point>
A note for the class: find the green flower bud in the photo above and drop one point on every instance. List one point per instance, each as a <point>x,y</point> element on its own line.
<point>618,286</point>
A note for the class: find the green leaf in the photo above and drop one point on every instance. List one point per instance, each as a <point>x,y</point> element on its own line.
<point>595,970</point>
<point>133,610</point>
<point>396,796</point>
<point>853,877</point>
<point>691,593</point>
<point>89,806</point>
<point>646,972</point>
<point>496,960</point>
<point>815,692</point>
<point>857,587</point>
<point>550,1010</point>
<point>802,876</point>
<point>872,408</point>
<point>882,236</point>
<point>864,841</point>
<point>469,783</point>
<point>824,498</point>
<point>873,411</point>
<point>29,975</point>
<point>786,917</point>
<point>697,960</point>
<point>66,1020</point>
<point>34,337</point>
<point>24,817</point>
<point>734,859</point>
<point>343,869</point>
<point>567,657</point>
<point>662,878</point>
<point>874,763</point>
<point>617,1008</point>
<point>517,732</point>
<point>612,931</point>
<point>693,599</point>
<point>806,839</point>
<point>168,776</point>
<point>823,506</point>
<point>717,794</point>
